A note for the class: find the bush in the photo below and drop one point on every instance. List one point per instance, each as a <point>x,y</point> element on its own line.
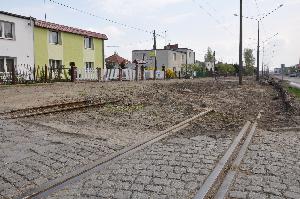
<point>170,74</point>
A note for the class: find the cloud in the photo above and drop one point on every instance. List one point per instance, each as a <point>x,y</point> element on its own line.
<point>177,18</point>
<point>132,7</point>
<point>113,32</point>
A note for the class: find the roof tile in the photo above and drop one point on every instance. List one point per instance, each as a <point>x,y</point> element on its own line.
<point>62,28</point>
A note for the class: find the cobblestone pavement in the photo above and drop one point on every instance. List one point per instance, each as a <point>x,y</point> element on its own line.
<point>175,167</point>
<point>30,157</point>
<point>271,167</point>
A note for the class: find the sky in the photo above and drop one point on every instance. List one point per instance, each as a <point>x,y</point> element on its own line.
<point>194,24</point>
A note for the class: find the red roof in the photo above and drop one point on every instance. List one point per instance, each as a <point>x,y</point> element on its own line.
<point>116,59</point>
<point>62,28</point>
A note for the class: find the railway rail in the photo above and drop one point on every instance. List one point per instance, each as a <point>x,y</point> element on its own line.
<point>216,185</point>
<point>47,189</point>
<point>221,178</point>
<point>54,108</point>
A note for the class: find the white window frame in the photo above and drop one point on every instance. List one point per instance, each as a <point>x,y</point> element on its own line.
<point>89,66</point>
<point>90,41</point>
<point>5,62</point>
<point>3,30</point>
<point>56,64</point>
<point>58,42</point>
<point>174,56</point>
<point>2,58</point>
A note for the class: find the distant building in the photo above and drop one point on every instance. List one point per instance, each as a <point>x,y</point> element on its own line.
<point>210,66</point>
<point>277,71</point>
<point>114,61</point>
<point>171,57</point>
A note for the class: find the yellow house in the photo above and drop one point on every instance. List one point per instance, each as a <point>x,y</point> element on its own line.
<point>59,45</point>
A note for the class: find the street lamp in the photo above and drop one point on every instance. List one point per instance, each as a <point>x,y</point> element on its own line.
<point>241,45</point>
<point>258,33</point>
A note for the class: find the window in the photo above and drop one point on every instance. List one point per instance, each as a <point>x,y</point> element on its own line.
<point>6,30</point>
<point>88,43</point>
<point>54,37</point>
<point>182,57</point>
<point>9,64</point>
<point>190,54</point>
<point>2,65</point>
<point>1,30</point>
<point>174,56</point>
<point>54,63</point>
<point>89,65</point>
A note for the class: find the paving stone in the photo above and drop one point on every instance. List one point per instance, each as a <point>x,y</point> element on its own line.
<point>162,170</point>
<point>238,194</point>
<point>293,195</point>
<point>271,166</point>
<point>143,179</point>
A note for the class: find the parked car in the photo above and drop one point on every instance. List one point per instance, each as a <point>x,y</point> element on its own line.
<point>293,75</point>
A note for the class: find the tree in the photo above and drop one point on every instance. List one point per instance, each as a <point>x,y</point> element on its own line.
<point>249,61</point>
<point>209,56</point>
<point>225,69</point>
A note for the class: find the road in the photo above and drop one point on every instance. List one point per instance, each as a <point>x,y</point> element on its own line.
<point>290,79</point>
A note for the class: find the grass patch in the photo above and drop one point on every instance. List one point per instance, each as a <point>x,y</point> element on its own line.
<point>294,91</point>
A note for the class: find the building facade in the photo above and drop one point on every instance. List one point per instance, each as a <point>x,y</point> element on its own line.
<point>16,41</point>
<point>171,57</point>
<point>58,45</point>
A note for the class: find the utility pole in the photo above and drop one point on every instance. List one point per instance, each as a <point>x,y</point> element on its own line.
<point>257,68</point>
<point>215,71</point>
<point>262,65</point>
<point>154,49</point>
<point>241,45</point>
<point>186,65</point>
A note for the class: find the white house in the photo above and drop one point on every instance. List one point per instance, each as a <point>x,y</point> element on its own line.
<point>210,66</point>
<point>16,41</point>
<point>171,57</point>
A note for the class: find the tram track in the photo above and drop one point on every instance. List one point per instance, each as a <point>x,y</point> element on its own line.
<point>54,108</point>
<point>58,184</point>
<point>221,178</point>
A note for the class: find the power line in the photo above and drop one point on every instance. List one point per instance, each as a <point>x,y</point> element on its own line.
<point>102,18</point>
<point>212,16</point>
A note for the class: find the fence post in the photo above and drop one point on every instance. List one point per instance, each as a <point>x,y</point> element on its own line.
<point>46,73</point>
<point>164,71</point>
<point>99,76</point>
<point>143,72</point>
<point>136,72</point>
<point>179,74</point>
<point>73,73</point>
<point>34,71</point>
<point>13,73</point>
<point>120,74</point>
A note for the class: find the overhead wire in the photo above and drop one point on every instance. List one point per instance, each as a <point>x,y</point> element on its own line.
<point>102,18</point>
<point>213,17</point>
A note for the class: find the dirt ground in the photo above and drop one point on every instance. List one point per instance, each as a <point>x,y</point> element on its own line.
<point>150,106</point>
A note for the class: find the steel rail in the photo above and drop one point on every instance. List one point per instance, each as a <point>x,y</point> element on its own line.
<point>58,184</point>
<point>55,108</point>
